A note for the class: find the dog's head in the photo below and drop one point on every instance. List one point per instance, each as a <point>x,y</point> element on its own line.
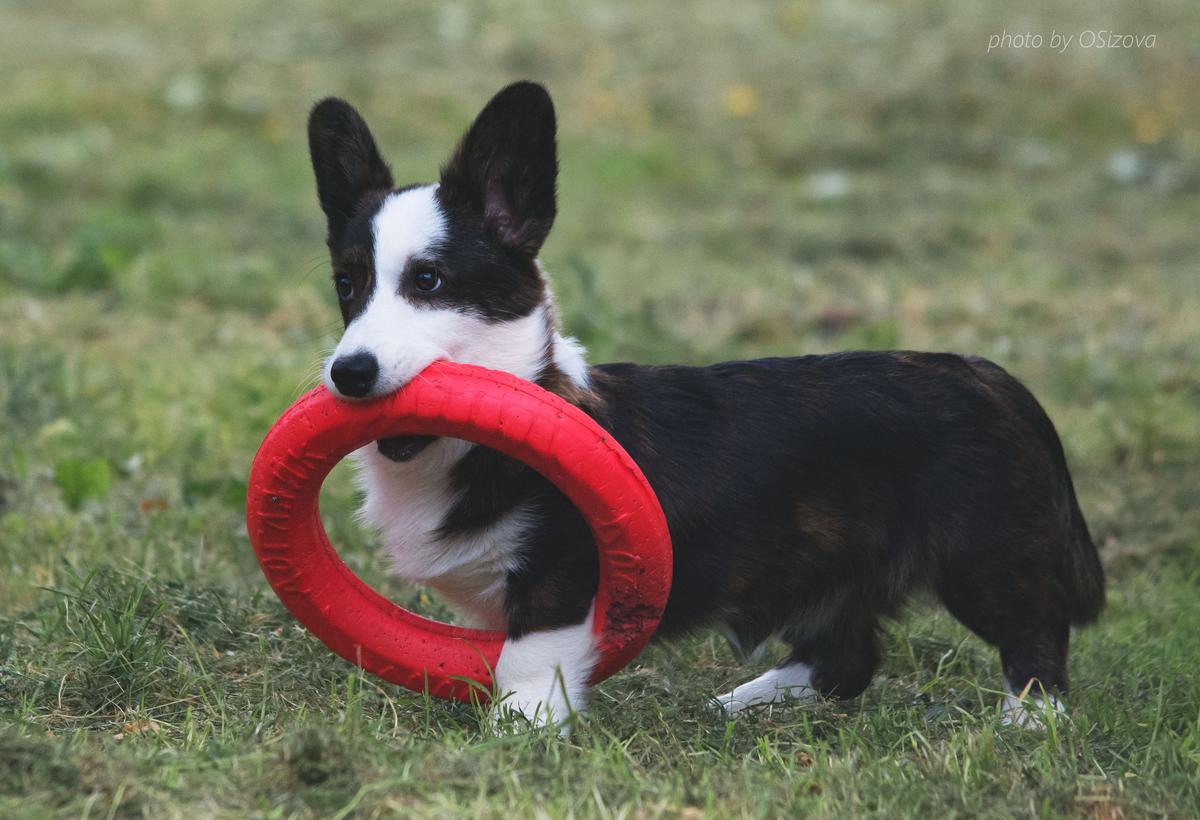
<point>446,270</point>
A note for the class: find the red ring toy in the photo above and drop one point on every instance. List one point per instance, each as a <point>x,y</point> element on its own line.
<point>494,409</point>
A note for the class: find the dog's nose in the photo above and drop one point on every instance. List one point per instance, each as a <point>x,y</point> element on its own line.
<point>354,375</point>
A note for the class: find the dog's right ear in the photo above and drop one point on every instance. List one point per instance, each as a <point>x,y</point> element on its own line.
<point>345,160</point>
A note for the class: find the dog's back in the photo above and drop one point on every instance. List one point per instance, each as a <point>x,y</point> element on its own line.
<point>799,487</point>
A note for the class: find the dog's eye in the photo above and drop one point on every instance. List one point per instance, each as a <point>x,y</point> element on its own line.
<point>427,280</point>
<point>345,287</point>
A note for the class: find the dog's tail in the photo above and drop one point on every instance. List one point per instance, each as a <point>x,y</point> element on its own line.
<point>1084,573</point>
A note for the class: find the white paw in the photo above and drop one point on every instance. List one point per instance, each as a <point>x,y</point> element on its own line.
<point>783,683</point>
<point>543,677</point>
<point>521,710</point>
<point>1029,711</point>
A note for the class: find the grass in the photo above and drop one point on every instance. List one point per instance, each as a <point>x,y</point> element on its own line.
<point>758,180</point>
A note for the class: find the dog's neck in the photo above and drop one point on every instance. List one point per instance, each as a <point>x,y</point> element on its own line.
<point>564,369</point>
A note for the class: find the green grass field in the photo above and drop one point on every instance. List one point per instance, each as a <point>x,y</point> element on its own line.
<point>738,180</point>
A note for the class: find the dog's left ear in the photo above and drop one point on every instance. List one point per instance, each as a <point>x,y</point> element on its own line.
<point>504,169</point>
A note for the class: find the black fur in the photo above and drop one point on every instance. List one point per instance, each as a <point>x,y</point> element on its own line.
<point>345,161</point>
<point>811,496</point>
<point>505,168</point>
<point>480,276</point>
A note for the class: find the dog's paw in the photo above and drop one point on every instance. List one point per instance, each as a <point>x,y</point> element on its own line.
<point>1030,712</point>
<point>519,712</point>
<point>783,683</point>
<point>543,677</point>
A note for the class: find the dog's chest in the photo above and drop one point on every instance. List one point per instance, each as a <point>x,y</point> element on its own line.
<point>408,503</point>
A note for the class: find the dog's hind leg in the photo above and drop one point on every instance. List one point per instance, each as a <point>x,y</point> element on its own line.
<point>1028,622</point>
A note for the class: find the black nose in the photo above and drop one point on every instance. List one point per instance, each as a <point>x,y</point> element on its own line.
<point>354,375</point>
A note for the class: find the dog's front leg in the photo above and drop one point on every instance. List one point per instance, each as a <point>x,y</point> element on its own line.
<point>542,676</point>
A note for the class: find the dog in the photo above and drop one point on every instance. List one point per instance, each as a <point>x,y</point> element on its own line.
<point>807,497</point>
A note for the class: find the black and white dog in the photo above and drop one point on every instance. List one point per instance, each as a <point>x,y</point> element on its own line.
<point>806,497</point>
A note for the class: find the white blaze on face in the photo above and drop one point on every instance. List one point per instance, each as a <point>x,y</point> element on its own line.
<point>405,338</point>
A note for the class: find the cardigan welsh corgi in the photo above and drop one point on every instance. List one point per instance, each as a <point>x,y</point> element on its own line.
<point>807,497</point>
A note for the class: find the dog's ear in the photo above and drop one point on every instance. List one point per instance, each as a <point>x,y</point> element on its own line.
<point>345,160</point>
<point>504,169</point>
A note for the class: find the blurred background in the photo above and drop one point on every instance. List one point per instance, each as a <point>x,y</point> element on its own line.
<point>738,180</point>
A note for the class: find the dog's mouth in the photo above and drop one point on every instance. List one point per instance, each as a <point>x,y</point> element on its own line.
<point>404,448</point>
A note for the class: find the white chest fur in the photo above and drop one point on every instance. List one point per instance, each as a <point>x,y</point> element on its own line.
<point>407,502</point>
